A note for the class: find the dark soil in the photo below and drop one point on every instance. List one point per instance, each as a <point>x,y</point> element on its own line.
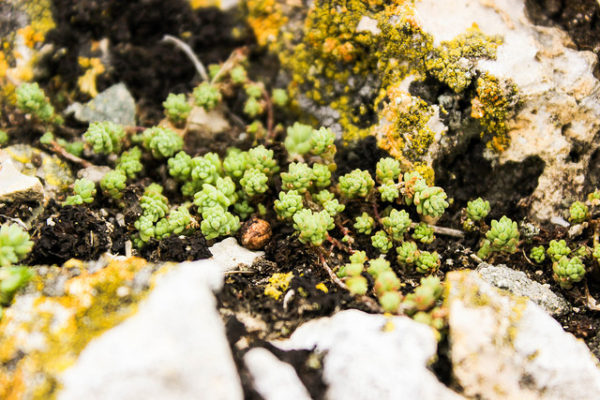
<point>69,232</point>
<point>150,69</point>
<point>177,248</point>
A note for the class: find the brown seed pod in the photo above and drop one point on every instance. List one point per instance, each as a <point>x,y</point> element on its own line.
<point>255,233</point>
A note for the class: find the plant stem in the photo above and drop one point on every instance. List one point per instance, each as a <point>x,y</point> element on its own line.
<point>61,152</point>
<point>188,52</point>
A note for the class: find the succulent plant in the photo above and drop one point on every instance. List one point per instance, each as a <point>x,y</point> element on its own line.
<point>161,142</point>
<point>387,170</point>
<point>503,235</point>
<point>104,137</point>
<point>312,226</point>
<point>538,254</point>
<point>568,271</point>
<point>321,175</point>
<point>207,96</point>
<point>12,279</point>
<point>31,99</point>
<point>298,138</point>
<point>261,158</point>
<point>321,142</point>
<point>381,241</point>
<point>431,201</point>
<point>177,108</point>
<point>84,191</point>
<point>280,97</point>
<point>299,177</point>
<point>377,266</point>
<point>364,223</point>
<point>423,233</point>
<point>557,249</point>
<point>217,222</point>
<point>407,252</point>
<point>389,192</point>
<point>357,183</point>
<point>579,212</point>
<point>113,183</point>
<point>254,182</point>
<point>14,244</point>
<point>180,166</point>
<point>386,281</point>
<point>427,262</point>
<point>235,163</point>
<point>396,224</point>
<point>253,107</point>
<point>288,204</point>
<point>478,209</point>
<point>130,162</point>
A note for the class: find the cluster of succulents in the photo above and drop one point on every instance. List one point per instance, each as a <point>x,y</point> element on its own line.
<point>15,245</point>
<point>31,99</point>
<point>503,236</point>
<point>104,137</point>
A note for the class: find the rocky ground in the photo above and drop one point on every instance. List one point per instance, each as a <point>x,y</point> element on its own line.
<point>510,114</point>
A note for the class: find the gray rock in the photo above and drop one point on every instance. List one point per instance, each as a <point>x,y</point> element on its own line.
<point>506,347</point>
<point>274,379</point>
<point>372,356</point>
<point>115,104</point>
<point>15,186</point>
<point>518,283</point>
<point>174,347</point>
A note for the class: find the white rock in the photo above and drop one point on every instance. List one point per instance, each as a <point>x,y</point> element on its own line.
<point>274,379</point>
<point>15,186</point>
<point>559,91</point>
<point>372,356</point>
<point>174,347</point>
<point>505,347</point>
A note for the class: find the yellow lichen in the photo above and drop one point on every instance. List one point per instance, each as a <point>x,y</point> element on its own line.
<point>278,284</point>
<point>196,4</point>
<point>322,287</point>
<point>87,82</point>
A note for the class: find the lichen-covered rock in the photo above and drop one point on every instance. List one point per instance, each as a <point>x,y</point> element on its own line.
<point>43,334</point>
<point>54,172</point>
<point>173,347</point>
<point>426,87</point>
<point>506,347</point>
<point>15,186</point>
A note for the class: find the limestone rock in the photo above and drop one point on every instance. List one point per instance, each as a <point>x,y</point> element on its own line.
<point>274,379</point>
<point>518,283</point>
<point>372,356</point>
<point>114,104</point>
<point>15,186</point>
<point>173,347</point>
<point>505,347</point>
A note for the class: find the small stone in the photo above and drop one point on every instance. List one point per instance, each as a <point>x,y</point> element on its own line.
<point>255,233</point>
<point>274,379</point>
<point>115,104</point>
<point>15,186</point>
<point>93,173</point>
<point>518,283</point>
